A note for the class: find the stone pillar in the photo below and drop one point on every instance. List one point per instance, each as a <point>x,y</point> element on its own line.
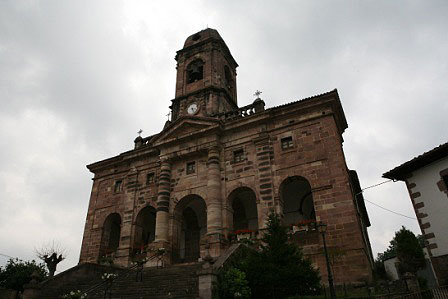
<point>123,254</point>
<point>411,282</point>
<point>32,289</point>
<point>207,278</point>
<point>214,203</point>
<point>163,202</point>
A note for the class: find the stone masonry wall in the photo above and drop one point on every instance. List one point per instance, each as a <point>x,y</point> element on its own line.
<point>316,155</point>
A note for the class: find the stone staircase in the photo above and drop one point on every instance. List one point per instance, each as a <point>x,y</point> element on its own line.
<point>178,281</point>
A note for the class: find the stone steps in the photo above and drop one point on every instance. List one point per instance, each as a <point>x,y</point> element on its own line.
<point>179,281</point>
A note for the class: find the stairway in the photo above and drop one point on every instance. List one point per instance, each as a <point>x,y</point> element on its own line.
<point>178,281</point>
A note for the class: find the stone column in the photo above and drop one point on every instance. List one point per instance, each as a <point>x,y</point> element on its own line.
<point>163,201</point>
<point>214,203</point>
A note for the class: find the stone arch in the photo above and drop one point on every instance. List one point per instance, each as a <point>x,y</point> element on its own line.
<point>110,237</point>
<point>144,227</point>
<point>296,198</point>
<point>243,204</point>
<point>195,71</point>
<point>189,227</point>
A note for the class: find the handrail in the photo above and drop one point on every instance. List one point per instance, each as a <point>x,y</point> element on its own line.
<point>119,276</point>
<point>98,285</point>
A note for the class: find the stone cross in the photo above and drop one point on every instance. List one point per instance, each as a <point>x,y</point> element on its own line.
<point>140,132</point>
<point>257,94</point>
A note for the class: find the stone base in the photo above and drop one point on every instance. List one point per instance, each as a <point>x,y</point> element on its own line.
<point>123,257</point>
<point>206,278</point>
<point>213,245</point>
<point>163,261</point>
<point>440,264</point>
<point>31,291</point>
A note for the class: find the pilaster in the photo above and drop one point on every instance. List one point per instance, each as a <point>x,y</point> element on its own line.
<point>215,238</point>
<point>163,201</point>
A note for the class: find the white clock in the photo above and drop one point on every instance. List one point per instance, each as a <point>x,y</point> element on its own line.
<point>192,108</point>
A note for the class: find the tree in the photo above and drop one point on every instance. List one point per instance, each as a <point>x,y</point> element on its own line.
<point>407,248</point>
<point>279,270</point>
<point>17,273</point>
<point>52,254</point>
<point>409,252</point>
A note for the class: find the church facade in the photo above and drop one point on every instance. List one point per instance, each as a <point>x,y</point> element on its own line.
<point>217,169</point>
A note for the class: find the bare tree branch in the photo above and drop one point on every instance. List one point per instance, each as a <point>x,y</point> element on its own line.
<point>52,254</point>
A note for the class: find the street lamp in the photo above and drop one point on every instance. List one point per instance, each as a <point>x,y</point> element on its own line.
<point>323,229</point>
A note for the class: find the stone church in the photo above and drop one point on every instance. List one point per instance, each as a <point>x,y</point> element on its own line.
<point>217,169</point>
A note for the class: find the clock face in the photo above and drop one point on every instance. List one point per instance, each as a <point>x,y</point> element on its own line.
<point>192,109</point>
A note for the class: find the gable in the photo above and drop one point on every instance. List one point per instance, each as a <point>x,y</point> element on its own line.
<point>186,128</point>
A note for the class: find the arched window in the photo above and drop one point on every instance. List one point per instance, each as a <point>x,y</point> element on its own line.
<point>145,227</point>
<point>297,198</point>
<point>190,226</point>
<point>110,239</point>
<point>244,208</point>
<point>195,71</point>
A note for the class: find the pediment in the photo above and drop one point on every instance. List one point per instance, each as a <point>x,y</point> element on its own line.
<point>186,128</point>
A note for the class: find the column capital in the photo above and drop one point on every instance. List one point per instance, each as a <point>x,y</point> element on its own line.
<point>214,149</point>
<point>165,161</point>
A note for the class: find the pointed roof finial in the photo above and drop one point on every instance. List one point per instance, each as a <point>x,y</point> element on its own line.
<point>257,94</point>
<point>140,132</point>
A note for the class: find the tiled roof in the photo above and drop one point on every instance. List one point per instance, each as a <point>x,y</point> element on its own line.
<point>400,172</point>
<point>308,98</point>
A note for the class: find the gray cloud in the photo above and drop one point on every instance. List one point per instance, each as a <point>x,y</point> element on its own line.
<point>78,79</point>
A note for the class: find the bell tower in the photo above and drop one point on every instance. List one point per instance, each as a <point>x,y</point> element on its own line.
<point>206,77</point>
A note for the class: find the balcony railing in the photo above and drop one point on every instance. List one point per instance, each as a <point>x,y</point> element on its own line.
<point>242,112</point>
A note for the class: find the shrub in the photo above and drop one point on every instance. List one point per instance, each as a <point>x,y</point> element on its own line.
<point>17,273</point>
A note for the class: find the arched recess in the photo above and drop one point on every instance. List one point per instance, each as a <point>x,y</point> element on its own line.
<point>145,227</point>
<point>195,71</point>
<point>190,225</point>
<point>297,199</point>
<point>228,77</point>
<point>110,238</point>
<point>244,209</point>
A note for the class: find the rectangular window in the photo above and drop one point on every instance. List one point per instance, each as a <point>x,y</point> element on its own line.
<point>150,178</point>
<point>118,186</point>
<point>238,155</point>
<point>287,143</point>
<point>191,167</point>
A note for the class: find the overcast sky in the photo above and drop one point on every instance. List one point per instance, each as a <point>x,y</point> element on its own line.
<point>78,79</point>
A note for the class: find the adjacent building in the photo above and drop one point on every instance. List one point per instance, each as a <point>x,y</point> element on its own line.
<point>217,168</point>
<point>426,178</point>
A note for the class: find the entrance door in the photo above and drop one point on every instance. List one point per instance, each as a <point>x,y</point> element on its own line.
<point>191,232</point>
<point>190,225</point>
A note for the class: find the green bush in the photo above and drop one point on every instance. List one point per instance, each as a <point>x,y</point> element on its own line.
<point>17,273</point>
<point>233,284</point>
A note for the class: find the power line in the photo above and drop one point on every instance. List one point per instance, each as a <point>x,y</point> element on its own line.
<point>5,255</point>
<point>390,210</point>
<point>376,185</point>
